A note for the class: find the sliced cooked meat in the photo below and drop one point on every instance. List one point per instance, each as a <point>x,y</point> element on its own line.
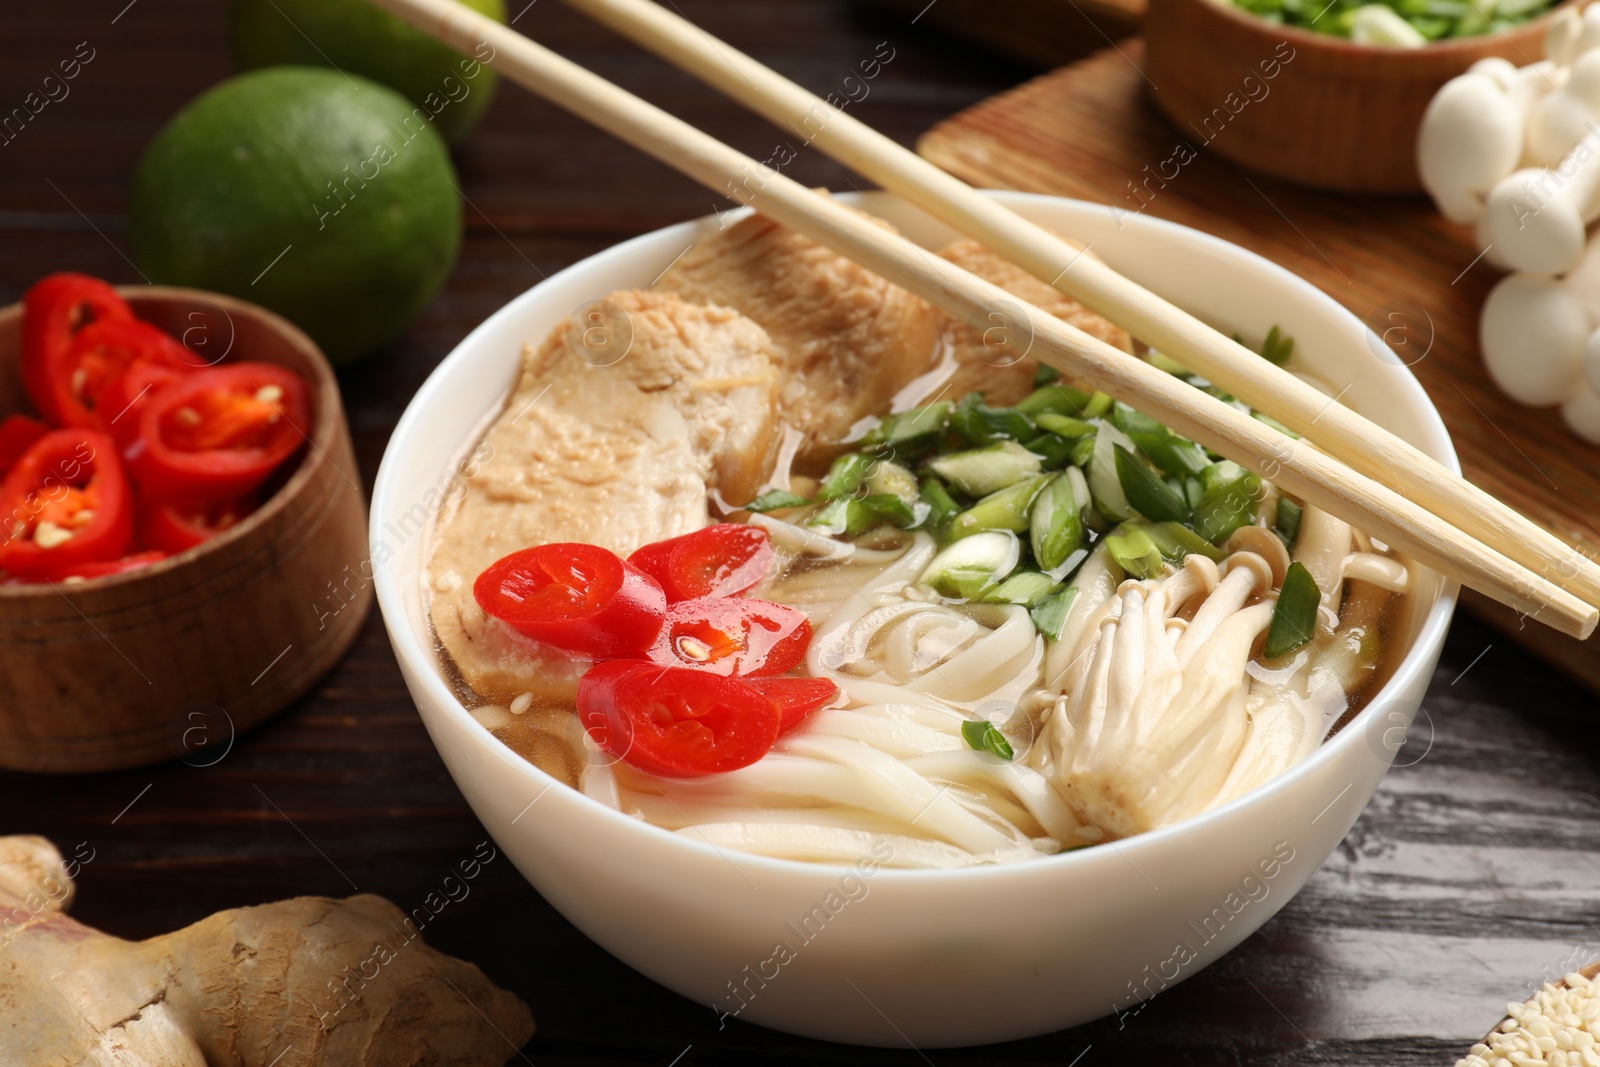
<point>616,442</point>
<point>1003,376</point>
<point>848,338</point>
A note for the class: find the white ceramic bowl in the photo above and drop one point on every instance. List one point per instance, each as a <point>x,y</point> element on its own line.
<point>892,957</point>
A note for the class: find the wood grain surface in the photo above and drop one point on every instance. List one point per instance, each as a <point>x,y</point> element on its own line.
<point>1471,875</point>
<point>1090,131</point>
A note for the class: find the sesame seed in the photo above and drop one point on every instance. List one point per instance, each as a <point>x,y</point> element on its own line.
<point>83,517</point>
<point>520,704</point>
<point>80,378</point>
<point>1557,1027</point>
<point>269,394</point>
<point>187,416</point>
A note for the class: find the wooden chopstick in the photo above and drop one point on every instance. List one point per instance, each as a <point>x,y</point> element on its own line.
<point>1338,430</point>
<point>1292,464</point>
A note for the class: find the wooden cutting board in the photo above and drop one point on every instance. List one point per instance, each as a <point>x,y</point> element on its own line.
<point>1088,131</point>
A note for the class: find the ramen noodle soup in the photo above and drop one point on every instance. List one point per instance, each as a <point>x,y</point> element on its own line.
<point>777,556</point>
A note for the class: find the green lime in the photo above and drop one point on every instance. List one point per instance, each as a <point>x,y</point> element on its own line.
<point>355,37</point>
<point>317,194</point>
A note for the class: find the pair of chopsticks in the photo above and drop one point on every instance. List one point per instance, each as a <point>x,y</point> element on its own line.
<point>1344,464</point>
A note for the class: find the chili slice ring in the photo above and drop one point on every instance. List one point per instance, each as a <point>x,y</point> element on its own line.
<point>66,502</point>
<point>577,597</point>
<point>732,635</point>
<point>219,433</point>
<point>54,309</point>
<point>721,560</point>
<point>673,722</point>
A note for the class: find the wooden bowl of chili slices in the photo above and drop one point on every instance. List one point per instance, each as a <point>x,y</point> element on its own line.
<point>181,524</point>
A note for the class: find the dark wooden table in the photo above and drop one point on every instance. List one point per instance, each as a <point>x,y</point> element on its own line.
<point>1473,873</point>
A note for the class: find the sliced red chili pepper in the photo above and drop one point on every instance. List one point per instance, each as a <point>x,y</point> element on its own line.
<point>17,435</point>
<point>673,722</point>
<point>174,526</point>
<point>220,432</point>
<point>796,698</point>
<point>99,355</point>
<point>720,560</point>
<point>100,568</point>
<point>577,597</point>
<point>65,502</point>
<point>125,397</point>
<point>53,311</point>
<point>732,635</point>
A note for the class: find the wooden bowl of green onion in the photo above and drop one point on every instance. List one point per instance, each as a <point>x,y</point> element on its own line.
<point>1326,93</point>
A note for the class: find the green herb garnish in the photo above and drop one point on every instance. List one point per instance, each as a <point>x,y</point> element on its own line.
<point>776,499</point>
<point>1294,619</point>
<point>983,735</point>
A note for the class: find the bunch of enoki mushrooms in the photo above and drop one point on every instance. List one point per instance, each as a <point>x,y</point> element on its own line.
<point>1162,711</point>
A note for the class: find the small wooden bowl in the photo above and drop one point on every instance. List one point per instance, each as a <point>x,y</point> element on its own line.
<point>173,659</point>
<point>1334,115</point>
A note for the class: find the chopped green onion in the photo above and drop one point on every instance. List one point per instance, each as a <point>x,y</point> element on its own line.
<point>1177,456</point>
<point>1287,526</point>
<point>1164,362</point>
<point>972,566</point>
<point>1104,485</point>
<point>981,425</point>
<point>1175,540</point>
<point>1056,524</point>
<point>1082,451</point>
<point>1277,348</point>
<point>1025,587</point>
<point>1133,550</point>
<point>985,736</point>
<point>1146,492</point>
<point>1229,499</point>
<point>942,507</point>
<point>1044,374</point>
<point>1003,509</point>
<point>1059,398</point>
<point>775,500</point>
<point>1294,619</point>
<point>845,515</point>
<point>978,472</point>
<point>846,477</point>
<point>1051,614</point>
<point>892,508</point>
<point>909,433</point>
<point>1063,425</point>
<point>892,478</point>
<point>1054,452</point>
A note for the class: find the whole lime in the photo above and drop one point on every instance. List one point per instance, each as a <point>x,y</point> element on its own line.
<point>358,38</point>
<point>317,194</point>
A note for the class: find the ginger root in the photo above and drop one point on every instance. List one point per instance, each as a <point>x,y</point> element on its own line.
<point>308,981</point>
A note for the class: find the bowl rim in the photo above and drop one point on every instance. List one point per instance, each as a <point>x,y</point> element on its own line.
<point>326,419</point>
<point>1430,634</point>
<point>1331,44</point>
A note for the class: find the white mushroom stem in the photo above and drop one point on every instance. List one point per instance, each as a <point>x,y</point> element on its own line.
<point>1532,332</point>
<point>1582,412</point>
<point>1386,572</point>
<point>1321,547</point>
<point>1264,543</point>
<point>1559,120</point>
<point>1561,37</point>
<point>1535,218</point>
<point>1143,742</point>
<point>1247,572</point>
<point>1471,138</point>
